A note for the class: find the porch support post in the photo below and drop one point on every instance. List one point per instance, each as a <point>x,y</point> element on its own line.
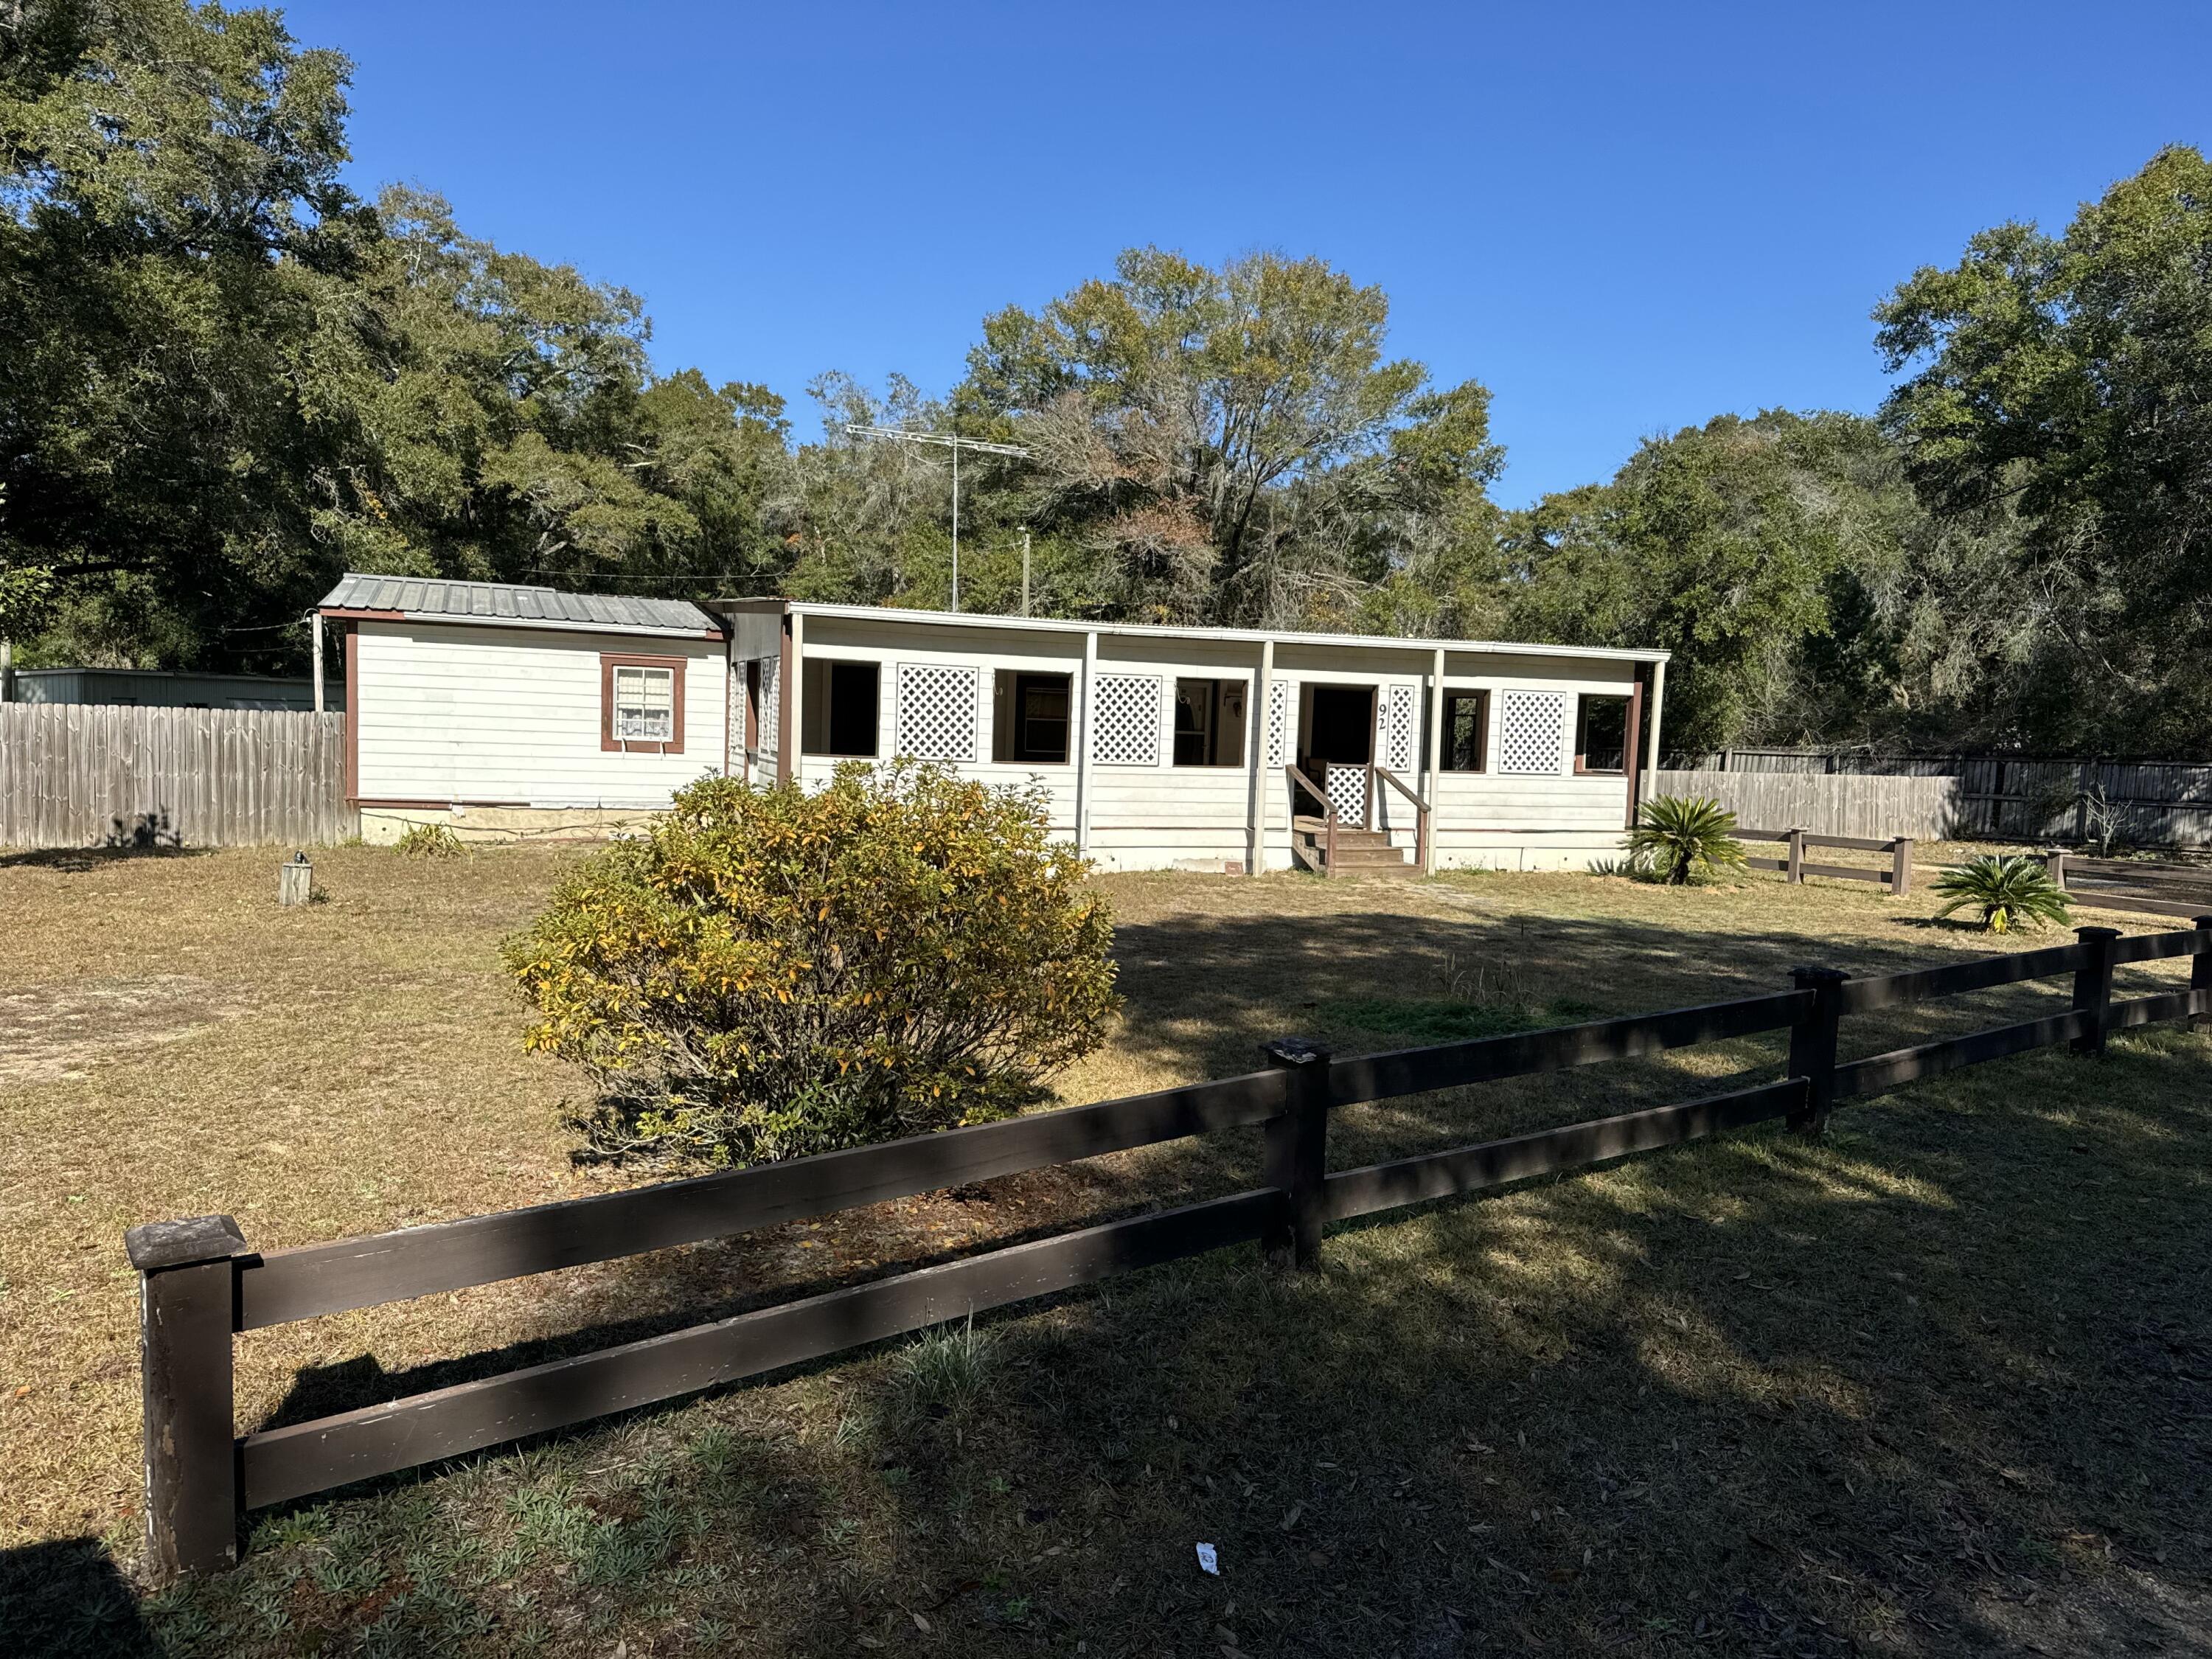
<point>1632,735</point>
<point>1255,758</point>
<point>1429,789</point>
<point>315,637</point>
<point>1658,704</point>
<point>787,748</point>
<point>1083,752</point>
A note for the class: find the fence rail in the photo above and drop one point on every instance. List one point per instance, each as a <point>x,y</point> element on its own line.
<point>92,775</point>
<point>201,1282</point>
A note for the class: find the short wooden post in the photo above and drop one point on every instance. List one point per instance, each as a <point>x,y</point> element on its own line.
<point>188,1308</point>
<point>1296,1162</point>
<point>1794,867</point>
<point>2093,986</point>
<point>294,880</point>
<point>1812,1046</point>
<point>1900,867</point>
<point>2200,980</point>
<point>2054,866</point>
<point>1329,866</point>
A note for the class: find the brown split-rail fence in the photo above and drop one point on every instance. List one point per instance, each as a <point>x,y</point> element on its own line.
<point>201,1281</point>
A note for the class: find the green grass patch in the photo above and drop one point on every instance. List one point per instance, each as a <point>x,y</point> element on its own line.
<point>1443,1020</point>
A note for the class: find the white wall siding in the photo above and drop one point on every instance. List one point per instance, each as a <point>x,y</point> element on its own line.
<point>452,713</point>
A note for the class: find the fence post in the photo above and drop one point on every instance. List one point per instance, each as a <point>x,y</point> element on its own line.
<point>1795,862</point>
<point>1900,867</point>
<point>2093,986</point>
<point>1812,1046</point>
<point>2054,866</point>
<point>1296,1161</point>
<point>188,1308</point>
<point>2199,981</point>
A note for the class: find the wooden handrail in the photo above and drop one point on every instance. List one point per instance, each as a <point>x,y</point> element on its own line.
<point>1329,817</point>
<point>1421,810</point>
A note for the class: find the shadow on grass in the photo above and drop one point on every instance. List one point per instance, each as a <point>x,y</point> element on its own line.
<point>1934,1386</point>
<point>65,1598</point>
<point>1937,1385</point>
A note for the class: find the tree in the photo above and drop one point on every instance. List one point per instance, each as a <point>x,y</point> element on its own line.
<point>2062,404</point>
<point>1738,545</point>
<point>1199,430</point>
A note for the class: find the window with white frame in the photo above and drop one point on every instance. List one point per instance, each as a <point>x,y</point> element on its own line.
<point>642,704</point>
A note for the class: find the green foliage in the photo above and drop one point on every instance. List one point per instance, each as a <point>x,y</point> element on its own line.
<point>1677,837</point>
<point>771,972</point>
<point>2009,891</point>
<point>944,1371</point>
<point>429,840</point>
<point>2062,405</point>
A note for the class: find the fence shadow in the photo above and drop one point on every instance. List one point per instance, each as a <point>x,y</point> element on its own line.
<point>65,1598</point>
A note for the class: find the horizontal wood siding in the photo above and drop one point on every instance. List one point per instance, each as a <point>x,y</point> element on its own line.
<point>90,775</point>
<point>450,713</point>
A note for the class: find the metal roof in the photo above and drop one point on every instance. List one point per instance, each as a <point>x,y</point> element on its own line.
<point>512,605</point>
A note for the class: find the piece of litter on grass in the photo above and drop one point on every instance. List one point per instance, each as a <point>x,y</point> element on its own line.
<point>1208,1561</point>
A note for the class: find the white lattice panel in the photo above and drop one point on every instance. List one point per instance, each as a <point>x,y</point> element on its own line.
<point>1400,724</point>
<point>936,711</point>
<point>1532,732</point>
<point>771,710</point>
<point>1347,792</point>
<point>1125,720</point>
<point>1278,723</point>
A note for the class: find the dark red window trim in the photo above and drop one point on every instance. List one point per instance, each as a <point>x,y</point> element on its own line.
<point>610,660</point>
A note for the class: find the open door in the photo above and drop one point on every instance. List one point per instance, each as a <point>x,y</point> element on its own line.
<point>1336,725</point>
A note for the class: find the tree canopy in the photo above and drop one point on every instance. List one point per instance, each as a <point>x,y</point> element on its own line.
<point>224,378</point>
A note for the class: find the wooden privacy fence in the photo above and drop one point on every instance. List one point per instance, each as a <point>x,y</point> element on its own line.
<point>2011,797</point>
<point>109,774</point>
<point>201,1281</point>
<point>1869,808</point>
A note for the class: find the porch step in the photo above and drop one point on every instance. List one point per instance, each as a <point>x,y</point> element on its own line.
<point>1358,852</point>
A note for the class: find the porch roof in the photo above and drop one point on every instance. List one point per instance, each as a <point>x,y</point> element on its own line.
<point>1154,630</point>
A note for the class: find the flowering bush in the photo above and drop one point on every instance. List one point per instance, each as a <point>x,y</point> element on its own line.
<point>770,972</point>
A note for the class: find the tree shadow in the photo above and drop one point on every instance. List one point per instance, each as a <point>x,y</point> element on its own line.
<point>66,1597</point>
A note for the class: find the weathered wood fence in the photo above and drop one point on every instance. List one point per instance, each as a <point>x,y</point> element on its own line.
<point>106,774</point>
<point>201,1281</point>
<point>1866,808</point>
<point>1794,867</point>
<point>2006,797</point>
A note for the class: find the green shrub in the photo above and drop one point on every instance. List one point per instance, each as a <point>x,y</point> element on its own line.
<point>1679,837</point>
<point>770,973</point>
<point>2007,891</point>
<point>429,840</point>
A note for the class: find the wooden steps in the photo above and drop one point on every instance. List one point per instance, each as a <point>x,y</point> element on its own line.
<point>1358,852</point>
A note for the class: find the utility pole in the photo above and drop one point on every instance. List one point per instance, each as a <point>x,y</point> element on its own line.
<point>955,443</point>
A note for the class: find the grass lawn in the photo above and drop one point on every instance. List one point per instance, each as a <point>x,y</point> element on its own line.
<point>1941,1384</point>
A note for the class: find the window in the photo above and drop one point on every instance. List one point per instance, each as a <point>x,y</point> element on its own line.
<point>642,704</point>
<point>839,707</point>
<point>1467,726</point>
<point>1209,723</point>
<point>1030,722</point>
<point>1601,735</point>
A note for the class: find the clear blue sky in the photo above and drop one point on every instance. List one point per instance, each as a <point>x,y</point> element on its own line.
<point>1623,218</point>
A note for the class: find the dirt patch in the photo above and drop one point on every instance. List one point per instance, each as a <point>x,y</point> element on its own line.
<point>49,1032</point>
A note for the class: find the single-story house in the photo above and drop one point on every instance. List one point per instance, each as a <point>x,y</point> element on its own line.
<point>507,709</point>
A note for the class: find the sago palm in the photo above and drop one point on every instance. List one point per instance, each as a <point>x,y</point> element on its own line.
<point>2010,891</point>
<point>1677,836</point>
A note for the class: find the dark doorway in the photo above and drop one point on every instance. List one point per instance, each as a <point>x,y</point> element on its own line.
<point>1340,728</point>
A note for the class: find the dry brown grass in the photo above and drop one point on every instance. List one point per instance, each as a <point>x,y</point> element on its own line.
<point>355,1065</point>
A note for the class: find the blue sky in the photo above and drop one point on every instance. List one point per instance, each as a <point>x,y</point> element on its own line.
<point>1623,219</point>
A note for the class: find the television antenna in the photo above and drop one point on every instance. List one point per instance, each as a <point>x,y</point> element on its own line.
<point>955,443</point>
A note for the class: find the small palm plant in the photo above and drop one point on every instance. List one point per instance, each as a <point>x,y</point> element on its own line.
<point>2010,891</point>
<point>1678,836</point>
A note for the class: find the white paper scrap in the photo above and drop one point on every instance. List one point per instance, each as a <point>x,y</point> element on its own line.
<point>1208,1561</point>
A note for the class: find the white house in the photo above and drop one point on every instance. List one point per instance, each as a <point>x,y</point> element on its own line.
<point>512,709</point>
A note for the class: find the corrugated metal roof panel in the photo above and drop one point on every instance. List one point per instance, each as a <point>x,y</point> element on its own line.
<point>514,602</point>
